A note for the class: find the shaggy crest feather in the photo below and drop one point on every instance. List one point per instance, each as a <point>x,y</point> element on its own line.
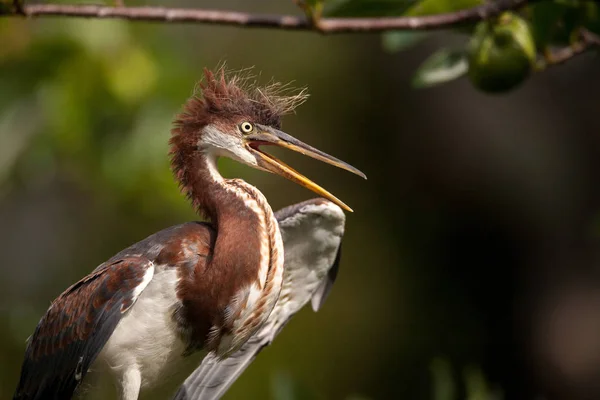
<point>225,98</point>
<point>233,94</point>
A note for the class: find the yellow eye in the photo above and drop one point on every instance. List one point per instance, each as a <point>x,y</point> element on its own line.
<point>246,127</point>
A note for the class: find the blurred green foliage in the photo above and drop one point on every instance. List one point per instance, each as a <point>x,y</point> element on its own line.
<point>58,73</point>
<point>442,66</point>
<point>553,23</point>
<point>86,107</point>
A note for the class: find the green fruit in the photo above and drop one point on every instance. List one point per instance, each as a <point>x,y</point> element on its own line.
<point>501,53</point>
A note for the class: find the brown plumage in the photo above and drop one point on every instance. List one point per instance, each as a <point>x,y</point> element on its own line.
<point>224,99</point>
<point>196,286</point>
<point>225,102</point>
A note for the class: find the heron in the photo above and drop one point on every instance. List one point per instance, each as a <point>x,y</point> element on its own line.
<point>199,287</point>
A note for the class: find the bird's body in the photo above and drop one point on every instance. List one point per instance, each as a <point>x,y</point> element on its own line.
<point>199,286</point>
<point>159,330</point>
<point>169,311</point>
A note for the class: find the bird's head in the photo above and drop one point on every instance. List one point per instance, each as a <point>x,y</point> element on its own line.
<point>232,117</point>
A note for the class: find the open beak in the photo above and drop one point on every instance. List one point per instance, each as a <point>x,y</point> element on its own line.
<point>267,136</point>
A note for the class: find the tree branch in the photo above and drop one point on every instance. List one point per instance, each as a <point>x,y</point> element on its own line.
<point>587,41</point>
<point>288,22</point>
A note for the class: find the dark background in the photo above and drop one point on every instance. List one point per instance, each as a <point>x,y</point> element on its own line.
<point>469,266</point>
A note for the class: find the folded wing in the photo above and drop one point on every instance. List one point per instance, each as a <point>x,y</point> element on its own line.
<point>76,327</point>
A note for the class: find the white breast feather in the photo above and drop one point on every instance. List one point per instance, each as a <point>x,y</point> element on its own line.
<point>146,338</point>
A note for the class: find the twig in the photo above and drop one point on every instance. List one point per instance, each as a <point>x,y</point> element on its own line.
<point>323,25</point>
<point>587,41</point>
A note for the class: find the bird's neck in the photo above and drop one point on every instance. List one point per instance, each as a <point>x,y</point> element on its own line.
<point>248,250</point>
<point>219,199</point>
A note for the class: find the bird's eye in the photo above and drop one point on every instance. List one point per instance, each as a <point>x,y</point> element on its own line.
<point>246,127</point>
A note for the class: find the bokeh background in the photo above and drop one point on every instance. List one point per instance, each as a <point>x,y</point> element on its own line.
<point>469,267</point>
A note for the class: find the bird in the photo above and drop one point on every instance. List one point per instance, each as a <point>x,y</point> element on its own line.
<point>312,234</point>
<point>198,287</point>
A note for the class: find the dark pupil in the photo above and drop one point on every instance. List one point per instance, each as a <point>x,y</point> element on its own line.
<point>246,127</point>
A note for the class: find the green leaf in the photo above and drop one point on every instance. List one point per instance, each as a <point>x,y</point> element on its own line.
<point>367,8</point>
<point>442,66</point>
<point>431,7</point>
<point>545,17</point>
<point>554,23</point>
<point>312,8</point>
<point>401,40</point>
<point>390,8</point>
<point>592,17</point>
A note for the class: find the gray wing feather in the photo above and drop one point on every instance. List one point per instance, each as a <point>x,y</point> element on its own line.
<point>322,292</point>
<point>214,377</point>
<point>300,224</point>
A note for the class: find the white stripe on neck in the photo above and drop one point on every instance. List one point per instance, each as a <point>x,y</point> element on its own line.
<point>211,164</point>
